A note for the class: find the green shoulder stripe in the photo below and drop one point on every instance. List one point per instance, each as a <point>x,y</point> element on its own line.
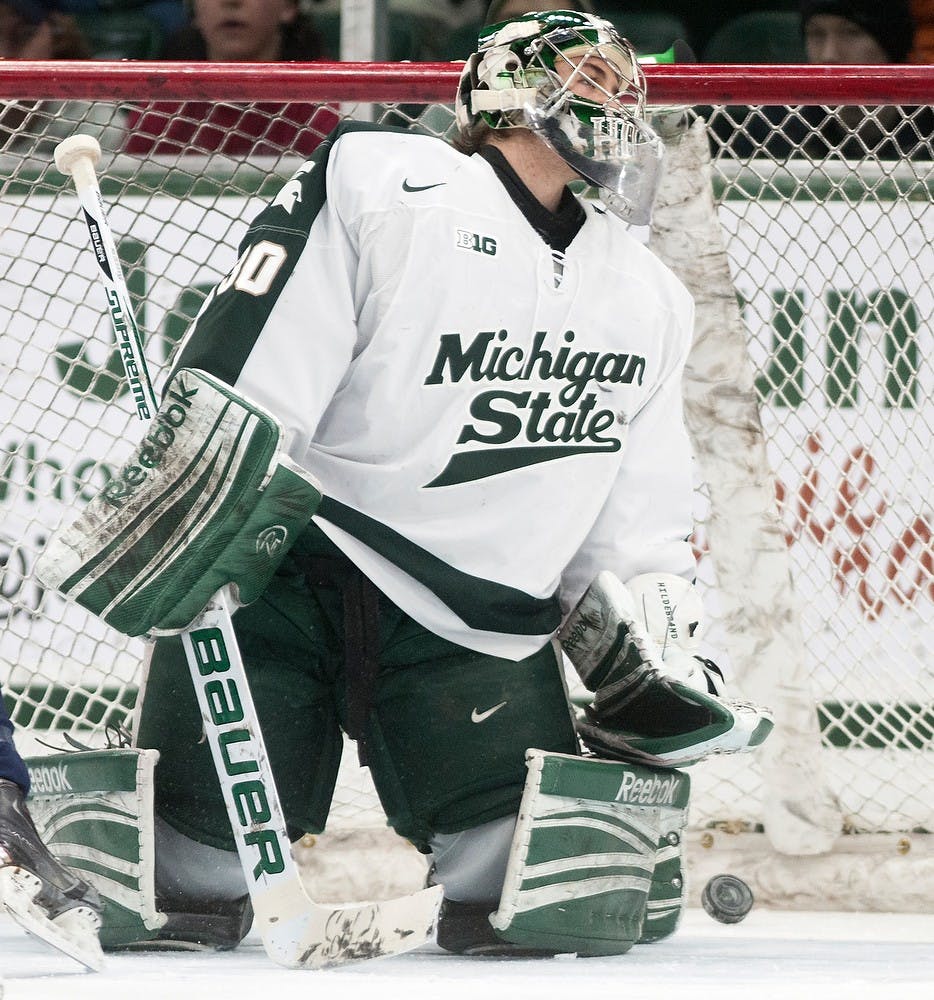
<point>301,198</point>
<point>240,305</point>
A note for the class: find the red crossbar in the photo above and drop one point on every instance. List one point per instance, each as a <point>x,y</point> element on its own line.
<point>436,82</point>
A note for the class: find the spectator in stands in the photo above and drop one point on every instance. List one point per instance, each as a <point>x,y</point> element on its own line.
<point>856,31</point>
<point>236,31</point>
<point>922,51</point>
<point>851,32</point>
<point>246,31</point>
<point>38,30</point>
<point>840,32</point>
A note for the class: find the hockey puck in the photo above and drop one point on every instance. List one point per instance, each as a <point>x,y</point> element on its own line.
<point>727,898</point>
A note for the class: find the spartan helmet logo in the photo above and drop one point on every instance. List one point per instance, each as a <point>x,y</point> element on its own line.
<point>271,540</point>
<point>571,79</point>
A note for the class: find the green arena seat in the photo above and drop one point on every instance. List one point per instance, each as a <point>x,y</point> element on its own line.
<point>766,36</point>
<point>121,34</point>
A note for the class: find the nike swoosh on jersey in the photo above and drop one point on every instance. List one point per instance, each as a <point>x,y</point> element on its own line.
<point>420,187</point>
<point>476,716</point>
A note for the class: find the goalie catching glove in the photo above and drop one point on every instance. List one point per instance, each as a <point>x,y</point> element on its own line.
<point>206,500</point>
<point>670,610</point>
<point>634,648</point>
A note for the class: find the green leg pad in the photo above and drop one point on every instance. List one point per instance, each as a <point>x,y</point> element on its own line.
<point>94,811</point>
<point>587,841</point>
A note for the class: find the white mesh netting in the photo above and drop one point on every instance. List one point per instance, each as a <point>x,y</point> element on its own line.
<point>827,217</point>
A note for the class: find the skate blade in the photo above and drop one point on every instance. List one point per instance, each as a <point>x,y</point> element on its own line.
<point>74,932</point>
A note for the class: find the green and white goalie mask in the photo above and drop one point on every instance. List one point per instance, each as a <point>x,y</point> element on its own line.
<point>576,83</point>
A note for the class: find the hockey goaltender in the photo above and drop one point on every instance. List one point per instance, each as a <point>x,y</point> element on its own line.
<point>474,377</point>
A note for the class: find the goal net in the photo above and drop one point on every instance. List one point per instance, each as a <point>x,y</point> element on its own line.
<point>800,214</point>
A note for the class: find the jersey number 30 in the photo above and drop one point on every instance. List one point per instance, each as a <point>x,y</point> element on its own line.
<point>256,270</point>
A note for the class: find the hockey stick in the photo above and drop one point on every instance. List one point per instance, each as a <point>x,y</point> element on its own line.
<point>78,156</point>
<point>296,931</point>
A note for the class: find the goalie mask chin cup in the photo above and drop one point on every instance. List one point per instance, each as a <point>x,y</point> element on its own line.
<point>621,156</point>
<point>533,72</point>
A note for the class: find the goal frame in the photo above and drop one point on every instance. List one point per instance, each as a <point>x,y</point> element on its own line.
<point>891,870</point>
<point>713,83</point>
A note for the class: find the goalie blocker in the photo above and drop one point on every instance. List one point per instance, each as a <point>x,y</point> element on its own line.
<point>207,500</point>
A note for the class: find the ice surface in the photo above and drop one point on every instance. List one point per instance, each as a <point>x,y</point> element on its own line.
<point>771,954</point>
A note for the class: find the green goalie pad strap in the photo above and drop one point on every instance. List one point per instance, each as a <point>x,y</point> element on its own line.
<point>585,851</point>
<point>94,810</point>
<point>206,500</point>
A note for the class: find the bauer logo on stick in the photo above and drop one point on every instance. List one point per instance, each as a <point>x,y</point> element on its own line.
<point>238,750</point>
<point>97,245</point>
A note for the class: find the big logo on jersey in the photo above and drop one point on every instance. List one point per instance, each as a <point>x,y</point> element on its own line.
<point>517,427</point>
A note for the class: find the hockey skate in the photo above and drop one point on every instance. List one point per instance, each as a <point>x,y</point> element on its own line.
<point>201,926</point>
<point>38,892</point>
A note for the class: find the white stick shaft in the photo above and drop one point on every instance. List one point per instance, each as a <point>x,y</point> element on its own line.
<point>129,340</point>
<point>297,932</point>
<point>232,730</point>
<point>84,174</point>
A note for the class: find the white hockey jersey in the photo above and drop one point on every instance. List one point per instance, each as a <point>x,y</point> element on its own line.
<point>492,424</point>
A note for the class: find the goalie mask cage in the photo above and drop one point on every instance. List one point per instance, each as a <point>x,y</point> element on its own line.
<point>807,236</point>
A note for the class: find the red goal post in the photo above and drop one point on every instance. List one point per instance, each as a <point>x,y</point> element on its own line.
<point>815,337</point>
